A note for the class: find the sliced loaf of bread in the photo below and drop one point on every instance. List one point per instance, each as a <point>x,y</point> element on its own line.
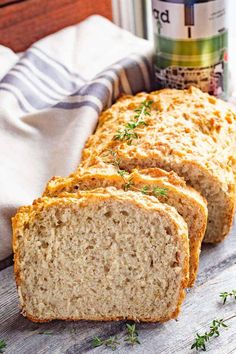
<point>187,131</point>
<point>166,186</point>
<point>100,255</point>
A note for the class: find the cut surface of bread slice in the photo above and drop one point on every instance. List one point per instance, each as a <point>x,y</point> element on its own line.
<point>187,131</point>
<point>166,186</point>
<point>91,256</point>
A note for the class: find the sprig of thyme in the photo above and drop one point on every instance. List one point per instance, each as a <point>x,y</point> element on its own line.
<point>111,342</point>
<point>200,340</point>
<point>216,325</point>
<point>115,161</point>
<point>225,295</point>
<point>132,334</point>
<point>128,134</point>
<point>128,182</point>
<point>3,345</point>
<point>122,173</point>
<point>125,135</point>
<point>156,191</point>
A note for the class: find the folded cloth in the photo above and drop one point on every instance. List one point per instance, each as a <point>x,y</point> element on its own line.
<point>51,97</point>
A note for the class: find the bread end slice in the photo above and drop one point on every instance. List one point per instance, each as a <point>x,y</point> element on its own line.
<point>100,255</point>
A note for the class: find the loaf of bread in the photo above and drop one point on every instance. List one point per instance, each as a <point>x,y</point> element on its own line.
<point>100,255</point>
<point>187,131</point>
<point>166,186</point>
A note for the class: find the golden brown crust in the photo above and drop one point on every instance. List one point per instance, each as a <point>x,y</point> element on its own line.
<point>26,214</point>
<point>17,223</point>
<point>187,129</point>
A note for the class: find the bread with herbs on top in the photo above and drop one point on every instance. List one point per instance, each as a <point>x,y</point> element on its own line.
<point>186,131</point>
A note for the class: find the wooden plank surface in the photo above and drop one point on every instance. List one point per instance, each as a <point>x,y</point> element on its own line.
<point>202,305</point>
<point>26,21</point>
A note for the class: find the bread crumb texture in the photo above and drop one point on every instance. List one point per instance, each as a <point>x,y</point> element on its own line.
<point>100,255</point>
<point>189,203</point>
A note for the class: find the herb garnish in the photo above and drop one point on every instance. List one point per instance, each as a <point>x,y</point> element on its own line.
<point>128,182</point>
<point>132,334</point>
<point>156,191</point>
<point>224,296</point>
<point>122,173</point>
<point>128,134</point>
<point>200,340</point>
<point>111,342</point>
<point>3,345</point>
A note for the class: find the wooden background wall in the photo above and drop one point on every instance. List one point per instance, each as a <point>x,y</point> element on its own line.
<point>23,22</point>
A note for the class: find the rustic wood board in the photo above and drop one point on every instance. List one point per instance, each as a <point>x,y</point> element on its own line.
<point>217,273</point>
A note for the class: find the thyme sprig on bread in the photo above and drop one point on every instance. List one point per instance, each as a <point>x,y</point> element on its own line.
<point>181,123</point>
<point>128,133</point>
<point>128,183</point>
<point>157,191</point>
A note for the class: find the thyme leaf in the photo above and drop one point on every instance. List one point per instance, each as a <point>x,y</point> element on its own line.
<point>128,134</point>
<point>156,191</point>
<point>215,327</point>
<point>200,340</point>
<point>128,182</point>
<point>132,334</point>
<point>144,190</point>
<point>122,173</point>
<point>225,295</point>
<point>125,135</point>
<point>3,345</point>
<point>111,342</point>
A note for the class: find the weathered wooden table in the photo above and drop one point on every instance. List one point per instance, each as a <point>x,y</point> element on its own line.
<point>202,305</point>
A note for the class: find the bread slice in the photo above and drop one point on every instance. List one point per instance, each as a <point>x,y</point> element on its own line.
<point>189,203</point>
<point>189,132</point>
<point>100,255</point>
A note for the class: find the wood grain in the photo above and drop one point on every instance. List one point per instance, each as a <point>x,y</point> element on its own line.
<point>217,273</point>
<point>24,22</point>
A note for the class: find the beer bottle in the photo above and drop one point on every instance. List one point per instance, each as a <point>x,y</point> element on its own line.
<point>191,44</point>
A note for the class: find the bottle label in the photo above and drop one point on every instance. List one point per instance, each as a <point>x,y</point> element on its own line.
<point>191,44</point>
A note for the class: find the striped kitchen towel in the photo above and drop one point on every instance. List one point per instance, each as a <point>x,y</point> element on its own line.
<point>51,97</point>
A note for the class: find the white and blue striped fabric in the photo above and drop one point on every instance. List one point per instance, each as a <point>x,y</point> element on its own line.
<point>51,97</point>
